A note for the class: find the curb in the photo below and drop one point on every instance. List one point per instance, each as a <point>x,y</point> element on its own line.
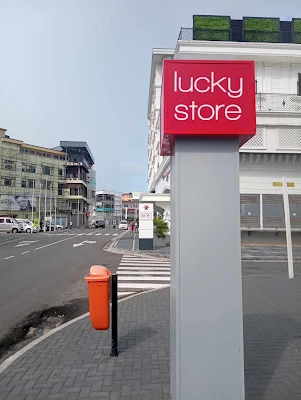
<point>6,363</point>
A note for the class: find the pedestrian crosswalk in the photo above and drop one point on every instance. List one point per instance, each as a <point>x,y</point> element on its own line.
<point>137,274</point>
<point>75,233</point>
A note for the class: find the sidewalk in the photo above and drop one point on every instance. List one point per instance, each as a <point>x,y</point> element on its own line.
<point>74,362</point>
<point>249,251</point>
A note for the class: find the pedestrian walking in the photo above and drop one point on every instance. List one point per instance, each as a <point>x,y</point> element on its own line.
<point>136,226</point>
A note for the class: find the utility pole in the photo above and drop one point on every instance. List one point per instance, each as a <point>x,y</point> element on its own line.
<point>45,206</point>
<point>50,213</point>
<point>78,208</point>
<point>40,205</point>
<point>32,197</point>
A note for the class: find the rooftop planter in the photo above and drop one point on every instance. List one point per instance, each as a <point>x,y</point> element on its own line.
<point>211,27</point>
<point>260,29</point>
<point>296,26</point>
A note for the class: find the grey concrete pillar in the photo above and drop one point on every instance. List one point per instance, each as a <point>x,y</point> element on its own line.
<point>206,292</point>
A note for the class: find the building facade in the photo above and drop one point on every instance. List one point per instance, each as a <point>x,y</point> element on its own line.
<point>76,194</point>
<point>108,206</point>
<point>30,179</point>
<point>130,206</point>
<point>275,151</point>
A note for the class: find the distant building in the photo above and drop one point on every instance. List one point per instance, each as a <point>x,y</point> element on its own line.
<point>76,193</point>
<point>130,206</point>
<point>108,206</point>
<point>30,179</point>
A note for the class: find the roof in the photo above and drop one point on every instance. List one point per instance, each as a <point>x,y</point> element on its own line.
<point>78,146</point>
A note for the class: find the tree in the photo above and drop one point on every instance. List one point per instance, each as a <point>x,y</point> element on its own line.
<point>160,227</point>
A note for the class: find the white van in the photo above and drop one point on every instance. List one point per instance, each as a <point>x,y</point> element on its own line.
<point>8,224</point>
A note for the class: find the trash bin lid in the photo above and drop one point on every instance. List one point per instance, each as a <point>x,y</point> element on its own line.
<point>98,273</point>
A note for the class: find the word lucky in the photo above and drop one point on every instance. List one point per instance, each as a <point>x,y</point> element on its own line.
<point>207,112</point>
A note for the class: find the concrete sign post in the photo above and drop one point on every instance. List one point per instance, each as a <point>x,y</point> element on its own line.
<point>208,111</point>
<point>146,226</point>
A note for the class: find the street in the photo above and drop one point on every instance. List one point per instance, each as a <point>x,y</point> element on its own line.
<point>39,271</point>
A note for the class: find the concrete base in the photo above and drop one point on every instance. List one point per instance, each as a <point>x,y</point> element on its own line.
<point>146,244</point>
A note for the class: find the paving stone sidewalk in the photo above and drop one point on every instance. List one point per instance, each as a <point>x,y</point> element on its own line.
<point>74,363</point>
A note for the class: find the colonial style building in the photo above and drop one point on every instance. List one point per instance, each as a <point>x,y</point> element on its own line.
<point>275,151</point>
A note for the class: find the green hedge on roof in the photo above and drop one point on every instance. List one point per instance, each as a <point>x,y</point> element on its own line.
<point>297,25</point>
<point>261,24</point>
<point>211,22</point>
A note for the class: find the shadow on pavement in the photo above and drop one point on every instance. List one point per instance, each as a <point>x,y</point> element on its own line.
<point>135,337</point>
<point>271,343</point>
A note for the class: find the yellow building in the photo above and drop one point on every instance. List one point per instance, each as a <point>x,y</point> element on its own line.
<point>30,175</point>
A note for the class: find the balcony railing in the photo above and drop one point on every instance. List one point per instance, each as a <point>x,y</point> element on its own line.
<point>236,36</point>
<point>278,102</point>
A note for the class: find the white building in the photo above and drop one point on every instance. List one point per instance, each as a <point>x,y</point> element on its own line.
<point>273,153</point>
<point>108,206</point>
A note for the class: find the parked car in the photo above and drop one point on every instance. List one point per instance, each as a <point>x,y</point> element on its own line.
<point>27,225</point>
<point>100,224</point>
<point>123,225</point>
<point>8,224</point>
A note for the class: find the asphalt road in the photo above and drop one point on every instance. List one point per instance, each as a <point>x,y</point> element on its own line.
<point>48,271</point>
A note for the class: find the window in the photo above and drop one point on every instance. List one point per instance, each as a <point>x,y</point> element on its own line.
<point>1,220</point>
<point>299,85</point>
<point>23,183</point>
<point>31,183</point>
<point>9,165</point>
<point>8,221</point>
<point>60,172</point>
<point>28,168</point>
<point>43,184</point>
<point>47,170</point>
<point>7,181</point>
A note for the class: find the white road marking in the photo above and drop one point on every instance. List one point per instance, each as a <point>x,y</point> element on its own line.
<point>51,244</point>
<point>83,243</point>
<point>119,294</point>
<point>144,278</point>
<point>26,243</point>
<point>89,234</point>
<point>80,234</point>
<point>6,258</point>
<point>129,285</point>
<point>106,234</point>
<point>144,268</point>
<point>98,234</point>
<point>142,265</point>
<point>149,272</point>
<point>25,252</point>
<point>115,234</point>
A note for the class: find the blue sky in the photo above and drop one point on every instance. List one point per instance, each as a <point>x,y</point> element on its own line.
<point>79,69</point>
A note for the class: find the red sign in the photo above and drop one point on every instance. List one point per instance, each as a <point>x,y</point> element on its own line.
<point>207,98</point>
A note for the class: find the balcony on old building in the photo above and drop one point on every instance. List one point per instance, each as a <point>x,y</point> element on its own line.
<point>278,102</point>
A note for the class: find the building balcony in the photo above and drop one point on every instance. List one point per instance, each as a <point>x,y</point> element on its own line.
<point>75,179</point>
<point>272,102</point>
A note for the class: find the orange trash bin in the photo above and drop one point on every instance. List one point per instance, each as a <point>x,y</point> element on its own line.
<point>99,302</point>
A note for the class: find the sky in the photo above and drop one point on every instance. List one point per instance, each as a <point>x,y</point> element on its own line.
<point>80,70</point>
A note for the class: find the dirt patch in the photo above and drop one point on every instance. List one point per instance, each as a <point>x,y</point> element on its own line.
<point>38,323</point>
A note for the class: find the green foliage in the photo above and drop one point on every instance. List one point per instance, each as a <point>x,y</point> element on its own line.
<point>269,37</point>
<point>261,24</point>
<point>297,30</point>
<point>211,22</point>
<point>297,37</point>
<point>199,34</point>
<point>160,227</point>
<point>209,27</point>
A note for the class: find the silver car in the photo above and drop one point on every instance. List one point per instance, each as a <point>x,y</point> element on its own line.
<point>8,224</point>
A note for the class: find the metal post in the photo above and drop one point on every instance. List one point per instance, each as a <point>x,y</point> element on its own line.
<point>40,206</point>
<point>78,208</point>
<point>55,205</point>
<point>287,217</point>
<point>114,329</point>
<point>50,208</point>
<point>45,207</point>
<point>32,197</point>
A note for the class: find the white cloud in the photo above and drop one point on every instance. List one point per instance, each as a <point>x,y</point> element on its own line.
<point>133,166</point>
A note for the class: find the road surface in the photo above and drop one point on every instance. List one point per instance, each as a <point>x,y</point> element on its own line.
<point>39,271</point>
